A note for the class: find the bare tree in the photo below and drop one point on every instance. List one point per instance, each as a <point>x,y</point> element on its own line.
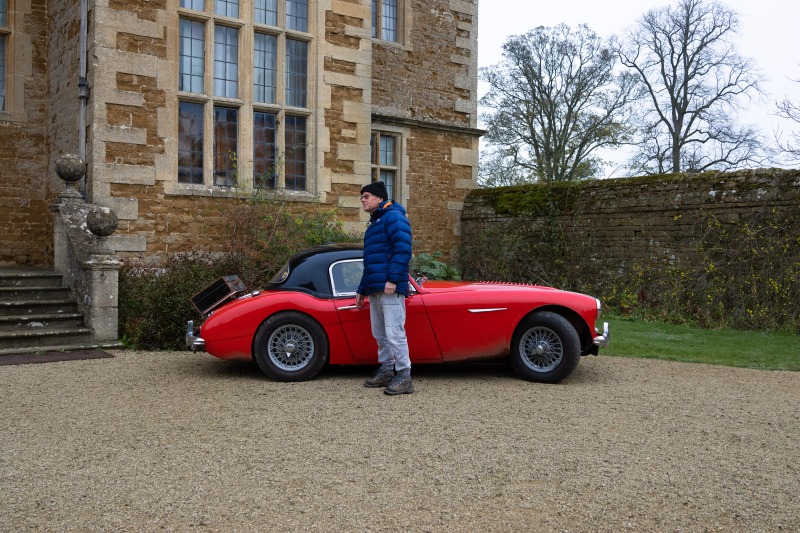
<point>497,169</point>
<point>791,111</point>
<point>696,82</point>
<point>556,101</point>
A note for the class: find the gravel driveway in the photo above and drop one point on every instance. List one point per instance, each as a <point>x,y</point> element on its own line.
<point>175,441</point>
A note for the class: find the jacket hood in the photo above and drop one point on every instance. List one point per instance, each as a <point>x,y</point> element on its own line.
<point>387,205</point>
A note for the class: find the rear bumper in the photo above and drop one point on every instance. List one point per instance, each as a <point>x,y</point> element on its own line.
<point>602,339</point>
<point>194,342</point>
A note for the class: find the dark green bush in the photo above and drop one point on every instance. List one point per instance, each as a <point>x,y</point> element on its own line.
<point>747,276</point>
<point>154,301</point>
<point>742,274</point>
<point>430,266</point>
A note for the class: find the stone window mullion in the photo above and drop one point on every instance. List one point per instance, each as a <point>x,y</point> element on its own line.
<point>280,141</point>
<point>246,43</point>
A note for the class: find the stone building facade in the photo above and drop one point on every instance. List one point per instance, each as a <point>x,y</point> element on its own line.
<point>192,103</point>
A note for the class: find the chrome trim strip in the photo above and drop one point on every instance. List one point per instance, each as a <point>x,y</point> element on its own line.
<point>488,310</point>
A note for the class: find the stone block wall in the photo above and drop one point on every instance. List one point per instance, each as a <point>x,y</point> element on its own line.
<point>428,84</point>
<point>25,219</point>
<point>435,203</point>
<point>425,86</point>
<point>433,76</point>
<point>62,76</point>
<point>608,226</point>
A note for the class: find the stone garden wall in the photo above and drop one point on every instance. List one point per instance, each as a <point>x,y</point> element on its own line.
<point>607,227</point>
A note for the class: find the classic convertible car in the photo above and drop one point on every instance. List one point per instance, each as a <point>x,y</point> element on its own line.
<point>306,317</point>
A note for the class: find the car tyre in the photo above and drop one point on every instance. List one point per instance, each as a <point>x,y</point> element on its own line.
<point>290,346</point>
<point>545,348</point>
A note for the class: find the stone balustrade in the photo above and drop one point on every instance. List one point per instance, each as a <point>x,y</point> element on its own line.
<point>89,267</point>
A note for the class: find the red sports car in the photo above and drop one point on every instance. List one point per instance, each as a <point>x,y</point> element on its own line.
<point>306,318</point>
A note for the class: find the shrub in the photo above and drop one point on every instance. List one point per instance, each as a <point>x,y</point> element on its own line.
<point>431,267</point>
<point>742,274</point>
<point>746,275</point>
<point>154,301</point>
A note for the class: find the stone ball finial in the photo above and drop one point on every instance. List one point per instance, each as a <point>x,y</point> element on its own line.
<point>70,168</point>
<point>102,221</point>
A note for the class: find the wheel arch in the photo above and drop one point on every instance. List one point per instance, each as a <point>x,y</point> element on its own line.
<point>580,325</point>
<point>290,311</point>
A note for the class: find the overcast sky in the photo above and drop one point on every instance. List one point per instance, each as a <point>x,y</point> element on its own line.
<point>769,31</point>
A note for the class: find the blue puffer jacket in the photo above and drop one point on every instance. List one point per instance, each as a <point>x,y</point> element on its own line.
<point>387,250</point>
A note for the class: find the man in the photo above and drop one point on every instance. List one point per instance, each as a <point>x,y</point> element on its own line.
<point>387,252</point>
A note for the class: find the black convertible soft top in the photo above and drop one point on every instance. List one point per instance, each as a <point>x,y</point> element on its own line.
<point>307,271</point>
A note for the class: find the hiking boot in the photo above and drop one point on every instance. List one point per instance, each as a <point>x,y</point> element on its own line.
<point>400,385</point>
<point>381,378</point>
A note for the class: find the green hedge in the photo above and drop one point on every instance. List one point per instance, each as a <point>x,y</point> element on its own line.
<point>745,273</point>
<point>154,299</point>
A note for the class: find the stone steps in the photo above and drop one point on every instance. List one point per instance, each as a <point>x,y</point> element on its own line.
<point>37,313</point>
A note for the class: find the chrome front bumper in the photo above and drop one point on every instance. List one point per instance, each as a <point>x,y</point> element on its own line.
<point>602,340</point>
<point>193,342</point>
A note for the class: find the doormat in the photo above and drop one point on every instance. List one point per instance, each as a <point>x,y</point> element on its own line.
<point>50,357</point>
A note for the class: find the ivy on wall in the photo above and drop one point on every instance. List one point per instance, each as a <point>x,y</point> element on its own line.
<point>717,249</point>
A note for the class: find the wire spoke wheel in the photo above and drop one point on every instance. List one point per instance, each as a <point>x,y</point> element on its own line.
<point>290,347</point>
<point>545,348</point>
<point>541,349</point>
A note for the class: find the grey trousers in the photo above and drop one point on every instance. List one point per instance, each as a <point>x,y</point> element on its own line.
<point>387,314</point>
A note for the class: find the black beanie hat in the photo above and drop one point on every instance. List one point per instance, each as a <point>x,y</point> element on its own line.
<point>377,188</point>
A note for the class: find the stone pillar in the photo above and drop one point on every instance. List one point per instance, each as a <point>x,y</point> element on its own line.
<point>101,311</point>
<point>101,275</point>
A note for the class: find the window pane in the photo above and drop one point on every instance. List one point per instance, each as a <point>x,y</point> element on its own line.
<point>266,12</point>
<point>226,126</point>
<point>265,68</point>
<point>190,69</point>
<point>387,156</point>
<point>389,20</point>
<point>226,61</point>
<point>296,72</point>
<point>193,4</point>
<point>295,153</point>
<point>384,149</point>
<point>3,13</point>
<point>297,15</point>
<point>264,150</point>
<point>2,72</point>
<point>190,143</point>
<point>387,177</point>
<point>374,18</point>
<point>227,8</point>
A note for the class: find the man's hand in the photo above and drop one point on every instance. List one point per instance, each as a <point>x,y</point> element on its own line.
<point>389,288</point>
<point>359,300</point>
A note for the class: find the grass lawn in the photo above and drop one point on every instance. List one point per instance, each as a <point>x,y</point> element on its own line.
<point>747,349</point>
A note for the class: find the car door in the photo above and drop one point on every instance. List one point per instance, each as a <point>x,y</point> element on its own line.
<point>469,325</point>
<point>345,277</point>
